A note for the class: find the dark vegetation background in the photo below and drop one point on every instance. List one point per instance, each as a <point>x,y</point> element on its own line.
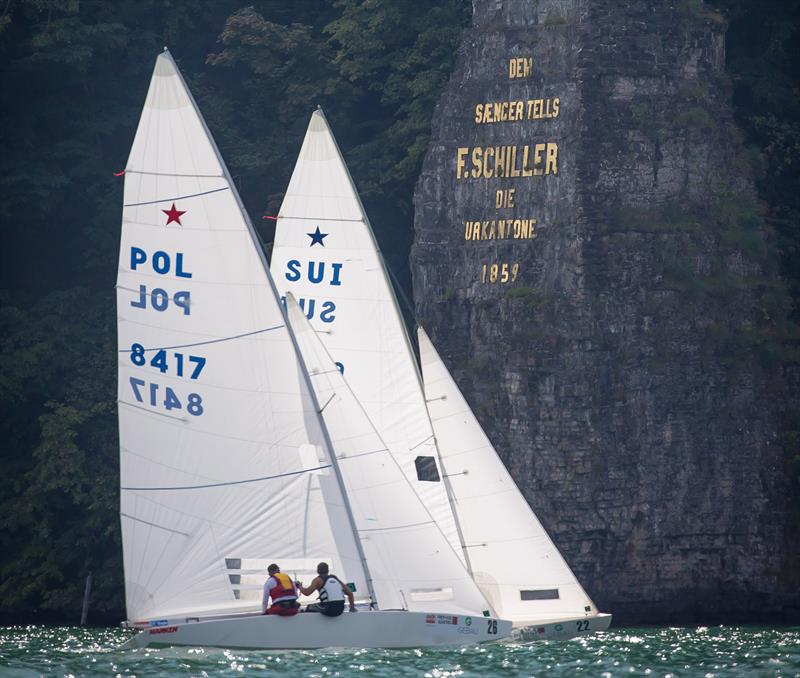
<point>73,76</point>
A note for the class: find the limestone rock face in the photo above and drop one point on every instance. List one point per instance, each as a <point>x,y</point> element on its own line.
<point>589,261</point>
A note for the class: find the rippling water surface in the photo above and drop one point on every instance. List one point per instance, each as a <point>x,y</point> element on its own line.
<point>713,651</point>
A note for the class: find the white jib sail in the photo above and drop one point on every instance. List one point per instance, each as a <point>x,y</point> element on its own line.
<point>510,555</point>
<point>411,562</point>
<point>325,254</point>
<point>223,462</point>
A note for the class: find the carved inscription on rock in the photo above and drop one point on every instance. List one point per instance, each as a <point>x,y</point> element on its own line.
<point>529,153</point>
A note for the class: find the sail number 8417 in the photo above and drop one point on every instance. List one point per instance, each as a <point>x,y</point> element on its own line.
<point>162,361</point>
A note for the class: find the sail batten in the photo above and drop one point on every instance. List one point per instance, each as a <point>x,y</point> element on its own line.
<point>176,198</point>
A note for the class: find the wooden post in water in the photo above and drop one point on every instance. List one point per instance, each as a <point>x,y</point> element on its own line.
<point>86,593</point>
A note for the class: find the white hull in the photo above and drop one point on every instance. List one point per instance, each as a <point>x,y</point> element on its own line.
<point>384,628</point>
<point>562,629</point>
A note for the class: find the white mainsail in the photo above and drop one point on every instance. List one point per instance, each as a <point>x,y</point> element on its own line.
<point>223,460</point>
<point>325,253</point>
<point>511,557</point>
<point>411,562</point>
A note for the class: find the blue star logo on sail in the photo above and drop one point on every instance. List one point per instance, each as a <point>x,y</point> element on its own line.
<point>317,237</point>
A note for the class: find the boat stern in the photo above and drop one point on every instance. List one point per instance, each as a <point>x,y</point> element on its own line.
<point>562,629</point>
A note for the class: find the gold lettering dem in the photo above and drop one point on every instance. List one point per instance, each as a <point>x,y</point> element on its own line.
<point>520,67</point>
<point>507,162</point>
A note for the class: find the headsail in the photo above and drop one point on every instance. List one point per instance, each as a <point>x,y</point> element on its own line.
<point>411,562</point>
<point>511,557</point>
<point>223,461</point>
<point>325,254</point>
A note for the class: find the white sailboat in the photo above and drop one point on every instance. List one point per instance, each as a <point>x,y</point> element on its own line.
<point>227,459</point>
<point>325,253</point>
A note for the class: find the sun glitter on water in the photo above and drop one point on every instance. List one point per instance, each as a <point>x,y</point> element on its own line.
<point>702,651</point>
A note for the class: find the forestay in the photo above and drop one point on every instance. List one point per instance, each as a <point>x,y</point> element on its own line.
<point>223,462</point>
<point>325,254</point>
<point>511,557</point>
<point>411,562</point>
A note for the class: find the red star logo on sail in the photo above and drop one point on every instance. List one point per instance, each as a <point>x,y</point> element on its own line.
<point>174,214</point>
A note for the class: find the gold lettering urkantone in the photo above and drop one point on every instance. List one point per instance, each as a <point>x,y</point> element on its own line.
<point>500,229</point>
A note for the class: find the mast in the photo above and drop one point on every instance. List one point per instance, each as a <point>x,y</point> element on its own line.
<point>262,257</point>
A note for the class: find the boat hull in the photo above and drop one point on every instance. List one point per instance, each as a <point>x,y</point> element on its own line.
<point>561,629</point>
<point>383,628</point>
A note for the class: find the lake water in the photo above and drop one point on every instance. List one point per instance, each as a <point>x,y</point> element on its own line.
<point>701,651</point>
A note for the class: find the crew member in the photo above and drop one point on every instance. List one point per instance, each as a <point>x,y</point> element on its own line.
<point>283,592</point>
<point>331,593</point>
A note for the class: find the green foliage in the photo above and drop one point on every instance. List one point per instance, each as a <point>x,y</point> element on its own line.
<point>533,298</point>
<point>645,120</point>
<point>58,423</point>
<point>694,118</point>
<point>697,9</point>
<point>375,67</point>
<point>692,90</point>
<point>553,19</point>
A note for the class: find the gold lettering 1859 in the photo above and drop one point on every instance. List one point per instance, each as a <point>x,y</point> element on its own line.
<point>502,273</point>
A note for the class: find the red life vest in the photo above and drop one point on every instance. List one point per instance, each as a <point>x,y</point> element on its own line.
<point>285,590</point>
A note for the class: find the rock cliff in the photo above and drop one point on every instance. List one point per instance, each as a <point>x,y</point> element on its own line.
<point>591,262</point>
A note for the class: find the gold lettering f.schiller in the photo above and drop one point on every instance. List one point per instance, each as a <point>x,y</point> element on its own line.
<point>494,162</point>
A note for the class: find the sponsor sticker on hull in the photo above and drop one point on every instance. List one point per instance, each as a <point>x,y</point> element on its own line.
<point>164,629</point>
